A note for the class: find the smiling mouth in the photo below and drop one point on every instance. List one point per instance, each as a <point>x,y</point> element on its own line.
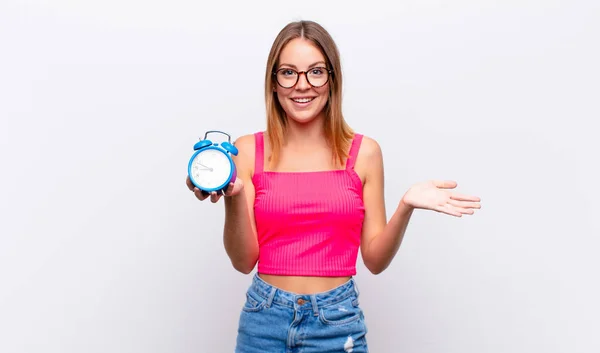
<point>303,100</point>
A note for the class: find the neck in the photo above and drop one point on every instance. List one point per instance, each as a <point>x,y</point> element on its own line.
<point>307,134</point>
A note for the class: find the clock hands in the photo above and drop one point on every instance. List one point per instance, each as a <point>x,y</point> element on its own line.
<point>205,167</point>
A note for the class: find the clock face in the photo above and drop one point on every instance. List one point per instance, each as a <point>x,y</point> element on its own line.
<point>210,169</point>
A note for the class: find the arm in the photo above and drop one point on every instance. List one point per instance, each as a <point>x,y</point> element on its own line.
<point>239,232</point>
<point>380,239</point>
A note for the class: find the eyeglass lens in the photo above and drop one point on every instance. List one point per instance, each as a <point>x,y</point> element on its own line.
<point>316,76</point>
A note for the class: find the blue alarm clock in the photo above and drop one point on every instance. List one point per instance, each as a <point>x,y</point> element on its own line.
<point>211,167</point>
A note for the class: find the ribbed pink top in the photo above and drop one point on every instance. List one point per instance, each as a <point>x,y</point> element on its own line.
<point>308,223</point>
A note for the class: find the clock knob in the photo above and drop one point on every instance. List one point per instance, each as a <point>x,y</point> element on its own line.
<point>202,144</point>
<point>230,148</point>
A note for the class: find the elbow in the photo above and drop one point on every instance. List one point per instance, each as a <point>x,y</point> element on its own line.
<point>375,267</point>
<point>376,271</point>
<point>244,268</point>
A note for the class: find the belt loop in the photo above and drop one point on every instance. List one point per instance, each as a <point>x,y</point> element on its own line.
<point>271,296</point>
<point>313,300</point>
<point>355,288</point>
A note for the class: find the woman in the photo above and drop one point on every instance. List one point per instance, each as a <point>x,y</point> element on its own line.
<point>308,196</point>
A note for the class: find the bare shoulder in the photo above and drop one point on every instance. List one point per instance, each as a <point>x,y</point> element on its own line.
<point>369,154</point>
<point>369,148</point>
<point>369,159</point>
<point>245,143</point>
<point>245,158</point>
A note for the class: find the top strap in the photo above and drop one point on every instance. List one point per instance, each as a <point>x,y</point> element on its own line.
<point>354,151</point>
<point>259,152</point>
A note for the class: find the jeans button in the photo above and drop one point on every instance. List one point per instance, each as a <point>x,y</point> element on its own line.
<point>301,301</point>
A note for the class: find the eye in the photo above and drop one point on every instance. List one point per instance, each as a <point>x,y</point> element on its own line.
<point>317,71</point>
<point>287,72</point>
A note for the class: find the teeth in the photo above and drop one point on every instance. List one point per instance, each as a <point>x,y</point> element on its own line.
<point>303,100</point>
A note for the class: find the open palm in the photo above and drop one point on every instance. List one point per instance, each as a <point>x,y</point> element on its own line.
<point>436,195</point>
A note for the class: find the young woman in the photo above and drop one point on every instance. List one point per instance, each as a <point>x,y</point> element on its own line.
<point>308,196</point>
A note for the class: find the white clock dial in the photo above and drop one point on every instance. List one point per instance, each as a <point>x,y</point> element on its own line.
<point>211,168</point>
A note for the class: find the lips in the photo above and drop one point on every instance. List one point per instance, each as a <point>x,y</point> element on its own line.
<point>303,99</point>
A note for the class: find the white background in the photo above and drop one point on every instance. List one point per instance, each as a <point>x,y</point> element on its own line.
<point>104,249</point>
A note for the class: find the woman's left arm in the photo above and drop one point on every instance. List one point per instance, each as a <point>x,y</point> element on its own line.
<point>381,239</point>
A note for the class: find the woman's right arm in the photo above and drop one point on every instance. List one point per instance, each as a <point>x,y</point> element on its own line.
<point>239,232</point>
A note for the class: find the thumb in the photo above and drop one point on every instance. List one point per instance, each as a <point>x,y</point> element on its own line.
<point>234,188</point>
<point>445,184</point>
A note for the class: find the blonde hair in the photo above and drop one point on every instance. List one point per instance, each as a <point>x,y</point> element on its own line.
<point>337,131</point>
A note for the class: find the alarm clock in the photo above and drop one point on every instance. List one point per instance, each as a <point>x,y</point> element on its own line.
<point>211,167</point>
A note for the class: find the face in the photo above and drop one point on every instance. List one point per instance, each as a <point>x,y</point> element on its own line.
<point>302,102</point>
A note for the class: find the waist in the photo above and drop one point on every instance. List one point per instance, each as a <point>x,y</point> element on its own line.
<point>303,284</point>
<point>281,296</point>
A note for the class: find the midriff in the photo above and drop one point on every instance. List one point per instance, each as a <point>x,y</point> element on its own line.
<point>304,284</point>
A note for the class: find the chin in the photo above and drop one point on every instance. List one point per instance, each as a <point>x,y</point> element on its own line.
<point>303,118</point>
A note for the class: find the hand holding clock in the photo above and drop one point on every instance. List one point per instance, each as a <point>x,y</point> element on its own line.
<point>232,189</point>
<point>211,171</point>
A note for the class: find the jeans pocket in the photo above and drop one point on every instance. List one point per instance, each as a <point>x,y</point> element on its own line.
<point>253,303</point>
<point>342,313</point>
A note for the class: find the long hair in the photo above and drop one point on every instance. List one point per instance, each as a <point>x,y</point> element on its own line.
<point>337,132</point>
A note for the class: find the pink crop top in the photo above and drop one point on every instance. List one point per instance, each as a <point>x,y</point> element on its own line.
<point>308,223</point>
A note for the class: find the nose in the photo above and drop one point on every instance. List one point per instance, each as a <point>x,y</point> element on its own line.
<point>302,83</point>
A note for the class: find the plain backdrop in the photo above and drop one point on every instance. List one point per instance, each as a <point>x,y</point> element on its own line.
<point>104,249</point>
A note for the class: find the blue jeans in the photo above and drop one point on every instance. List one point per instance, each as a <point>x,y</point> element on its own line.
<point>276,321</point>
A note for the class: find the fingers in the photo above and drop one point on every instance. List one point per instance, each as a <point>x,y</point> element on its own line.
<point>462,197</point>
<point>201,195</point>
<point>229,190</point>
<point>449,209</point>
<point>445,184</point>
<point>234,188</point>
<point>467,211</point>
<point>457,208</point>
<point>215,196</point>
<point>189,183</point>
<point>464,204</point>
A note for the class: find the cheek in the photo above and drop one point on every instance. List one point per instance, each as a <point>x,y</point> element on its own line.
<point>324,94</point>
<point>283,101</point>
<point>282,95</point>
<point>323,91</point>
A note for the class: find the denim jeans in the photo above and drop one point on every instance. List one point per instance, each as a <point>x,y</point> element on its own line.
<point>276,321</point>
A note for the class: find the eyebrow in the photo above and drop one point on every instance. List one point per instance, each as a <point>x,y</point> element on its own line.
<point>295,67</point>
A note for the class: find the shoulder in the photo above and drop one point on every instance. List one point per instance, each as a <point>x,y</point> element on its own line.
<point>369,161</point>
<point>245,143</point>
<point>369,151</point>
<point>246,150</point>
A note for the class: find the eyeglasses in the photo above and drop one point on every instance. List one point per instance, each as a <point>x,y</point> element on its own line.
<point>316,76</point>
